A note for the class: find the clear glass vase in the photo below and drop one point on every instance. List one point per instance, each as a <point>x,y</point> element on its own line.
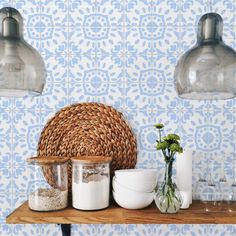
<point>168,198</point>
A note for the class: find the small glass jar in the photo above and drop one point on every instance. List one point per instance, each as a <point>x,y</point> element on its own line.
<point>49,189</point>
<point>90,182</point>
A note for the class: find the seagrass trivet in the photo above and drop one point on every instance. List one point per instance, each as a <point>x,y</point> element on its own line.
<point>89,129</point>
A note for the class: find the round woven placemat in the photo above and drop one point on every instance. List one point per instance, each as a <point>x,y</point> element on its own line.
<point>89,129</point>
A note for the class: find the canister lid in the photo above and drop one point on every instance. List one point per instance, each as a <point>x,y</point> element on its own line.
<point>92,159</point>
<point>47,160</point>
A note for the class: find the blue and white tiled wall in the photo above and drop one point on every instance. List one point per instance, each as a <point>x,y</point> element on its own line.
<point>122,53</point>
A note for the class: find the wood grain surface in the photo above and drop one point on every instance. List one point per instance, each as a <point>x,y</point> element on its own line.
<point>116,215</point>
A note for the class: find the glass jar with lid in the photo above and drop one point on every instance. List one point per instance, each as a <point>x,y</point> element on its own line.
<point>90,182</point>
<point>48,191</point>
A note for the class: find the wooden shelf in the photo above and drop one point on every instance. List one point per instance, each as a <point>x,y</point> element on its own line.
<point>116,215</point>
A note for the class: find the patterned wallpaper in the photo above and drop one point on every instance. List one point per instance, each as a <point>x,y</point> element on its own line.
<point>122,53</point>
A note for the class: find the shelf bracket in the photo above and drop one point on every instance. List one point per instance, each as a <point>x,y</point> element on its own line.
<point>66,229</point>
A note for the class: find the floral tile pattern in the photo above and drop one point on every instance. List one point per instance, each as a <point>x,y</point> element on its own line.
<point>122,53</point>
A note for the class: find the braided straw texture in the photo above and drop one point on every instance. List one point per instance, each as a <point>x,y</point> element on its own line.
<point>88,129</point>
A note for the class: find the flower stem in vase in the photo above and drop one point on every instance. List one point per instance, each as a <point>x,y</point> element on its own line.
<point>168,198</point>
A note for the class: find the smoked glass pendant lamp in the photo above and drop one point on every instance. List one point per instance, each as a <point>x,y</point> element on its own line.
<point>208,70</point>
<point>22,70</point>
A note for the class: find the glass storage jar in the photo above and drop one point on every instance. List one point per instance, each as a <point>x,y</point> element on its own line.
<point>48,191</point>
<point>90,182</point>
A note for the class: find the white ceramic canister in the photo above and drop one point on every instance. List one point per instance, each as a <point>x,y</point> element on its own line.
<point>90,182</point>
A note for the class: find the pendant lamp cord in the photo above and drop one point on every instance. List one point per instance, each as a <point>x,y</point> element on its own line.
<point>210,5</point>
<point>234,160</point>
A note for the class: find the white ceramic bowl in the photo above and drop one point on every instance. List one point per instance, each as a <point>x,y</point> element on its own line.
<point>141,186</point>
<point>133,201</point>
<point>142,180</point>
<point>118,188</point>
<point>130,199</point>
<point>136,174</point>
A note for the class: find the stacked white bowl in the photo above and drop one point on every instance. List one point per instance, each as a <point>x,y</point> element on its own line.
<point>134,188</point>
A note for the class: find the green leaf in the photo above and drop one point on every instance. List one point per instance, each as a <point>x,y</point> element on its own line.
<point>180,150</point>
<point>162,145</point>
<point>159,126</point>
<point>171,137</point>
<point>176,148</point>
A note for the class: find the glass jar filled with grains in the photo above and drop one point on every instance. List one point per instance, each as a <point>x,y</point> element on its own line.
<point>48,190</point>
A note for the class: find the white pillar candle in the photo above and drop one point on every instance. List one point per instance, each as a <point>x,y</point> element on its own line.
<point>187,198</point>
<point>184,173</point>
<point>235,172</point>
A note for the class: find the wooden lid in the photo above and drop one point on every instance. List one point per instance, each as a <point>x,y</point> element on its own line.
<point>92,159</point>
<point>47,160</point>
